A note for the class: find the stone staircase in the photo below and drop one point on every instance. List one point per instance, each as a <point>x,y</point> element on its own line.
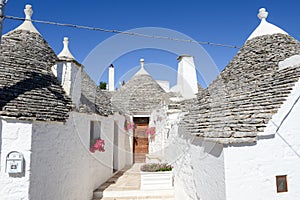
<point>125,185</point>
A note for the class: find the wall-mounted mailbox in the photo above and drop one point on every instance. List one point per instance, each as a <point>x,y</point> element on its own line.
<point>14,162</point>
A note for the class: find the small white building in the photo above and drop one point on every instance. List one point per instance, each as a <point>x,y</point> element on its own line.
<point>49,122</point>
<point>239,139</point>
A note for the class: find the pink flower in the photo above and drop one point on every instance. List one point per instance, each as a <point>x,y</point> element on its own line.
<point>150,131</point>
<point>99,145</point>
<point>128,125</point>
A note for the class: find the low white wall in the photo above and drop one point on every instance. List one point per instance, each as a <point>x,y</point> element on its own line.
<point>62,166</point>
<point>198,165</point>
<point>15,136</point>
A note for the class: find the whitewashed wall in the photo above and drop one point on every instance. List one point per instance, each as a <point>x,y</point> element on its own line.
<point>15,136</point>
<point>158,119</point>
<point>198,165</point>
<point>69,75</point>
<point>123,147</point>
<point>62,166</point>
<point>251,170</point>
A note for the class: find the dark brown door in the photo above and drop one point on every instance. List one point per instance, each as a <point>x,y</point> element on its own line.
<point>140,139</point>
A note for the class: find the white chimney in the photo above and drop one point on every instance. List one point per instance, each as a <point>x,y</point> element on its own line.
<point>187,79</point>
<point>111,78</point>
<point>68,72</point>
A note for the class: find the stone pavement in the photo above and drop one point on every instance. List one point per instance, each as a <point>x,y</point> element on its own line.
<point>125,185</point>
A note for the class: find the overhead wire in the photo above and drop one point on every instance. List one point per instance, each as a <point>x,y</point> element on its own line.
<point>122,32</point>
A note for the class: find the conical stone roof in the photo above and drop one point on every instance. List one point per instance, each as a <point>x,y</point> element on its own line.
<point>141,94</point>
<point>28,88</point>
<point>248,92</point>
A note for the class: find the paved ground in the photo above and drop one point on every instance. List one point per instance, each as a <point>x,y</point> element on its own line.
<point>125,185</point>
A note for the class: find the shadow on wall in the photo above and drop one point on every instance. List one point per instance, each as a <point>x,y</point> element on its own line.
<point>115,147</point>
<point>211,148</point>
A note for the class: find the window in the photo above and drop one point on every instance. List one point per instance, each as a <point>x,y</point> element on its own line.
<point>281,183</point>
<point>95,132</point>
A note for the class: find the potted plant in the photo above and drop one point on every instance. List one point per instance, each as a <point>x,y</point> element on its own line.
<point>155,176</point>
<point>98,145</point>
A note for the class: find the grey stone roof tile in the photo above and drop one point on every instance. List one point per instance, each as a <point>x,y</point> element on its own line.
<point>94,100</point>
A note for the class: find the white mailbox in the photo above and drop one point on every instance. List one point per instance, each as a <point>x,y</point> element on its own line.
<point>14,162</point>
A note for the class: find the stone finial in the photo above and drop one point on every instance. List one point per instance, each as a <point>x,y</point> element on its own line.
<point>27,24</point>
<point>142,61</point>
<point>66,42</point>
<point>142,69</point>
<point>263,14</point>
<point>28,12</point>
<point>265,28</point>
<point>65,53</point>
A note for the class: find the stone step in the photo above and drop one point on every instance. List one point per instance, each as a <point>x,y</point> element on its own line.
<point>135,194</point>
<point>137,198</point>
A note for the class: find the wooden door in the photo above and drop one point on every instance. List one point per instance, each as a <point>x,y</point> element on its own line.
<point>140,139</point>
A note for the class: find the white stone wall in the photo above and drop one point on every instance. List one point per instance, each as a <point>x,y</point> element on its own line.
<point>123,147</point>
<point>75,82</point>
<point>59,164</point>
<point>251,170</point>
<point>69,75</point>
<point>15,136</point>
<point>198,165</point>
<point>62,166</point>
<point>160,139</point>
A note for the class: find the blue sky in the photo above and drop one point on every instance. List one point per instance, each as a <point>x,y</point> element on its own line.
<point>229,22</point>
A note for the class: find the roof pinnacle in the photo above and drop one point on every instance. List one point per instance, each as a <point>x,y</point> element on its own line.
<point>142,61</point>
<point>265,28</point>
<point>27,24</point>
<point>65,53</point>
<point>263,14</point>
<point>142,69</point>
<point>28,11</point>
